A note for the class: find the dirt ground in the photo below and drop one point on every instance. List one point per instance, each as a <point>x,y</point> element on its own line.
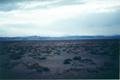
<point>65,59</point>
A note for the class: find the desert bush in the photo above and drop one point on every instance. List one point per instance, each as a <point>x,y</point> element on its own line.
<point>87,61</point>
<point>77,58</point>
<point>38,67</point>
<point>42,69</point>
<point>58,53</point>
<point>15,56</point>
<point>42,58</point>
<point>75,69</point>
<point>67,61</point>
<point>92,71</point>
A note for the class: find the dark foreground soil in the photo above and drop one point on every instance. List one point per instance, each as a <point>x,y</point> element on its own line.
<point>70,59</point>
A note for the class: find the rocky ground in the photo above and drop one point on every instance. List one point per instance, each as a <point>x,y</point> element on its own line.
<point>60,59</point>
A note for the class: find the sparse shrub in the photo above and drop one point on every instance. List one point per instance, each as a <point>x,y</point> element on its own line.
<point>39,68</point>
<point>75,69</point>
<point>67,61</point>
<point>42,69</point>
<point>77,58</point>
<point>88,61</point>
<point>12,64</point>
<point>42,58</point>
<point>15,56</point>
<point>58,53</point>
<point>94,52</point>
<point>46,69</point>
<point>92,70</point>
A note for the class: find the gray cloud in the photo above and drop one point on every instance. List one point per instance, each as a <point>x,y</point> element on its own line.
<point>9,5</point>
<point>84,20</point>
<point>107,19</point>
<point>94,23</point>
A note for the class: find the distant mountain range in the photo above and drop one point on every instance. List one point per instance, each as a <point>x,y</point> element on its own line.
<point>58,38</point>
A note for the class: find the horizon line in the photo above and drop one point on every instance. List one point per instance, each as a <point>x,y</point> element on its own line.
<point>62,35</point>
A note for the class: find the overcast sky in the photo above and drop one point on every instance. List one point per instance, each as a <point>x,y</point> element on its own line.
<point>59,17</point>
